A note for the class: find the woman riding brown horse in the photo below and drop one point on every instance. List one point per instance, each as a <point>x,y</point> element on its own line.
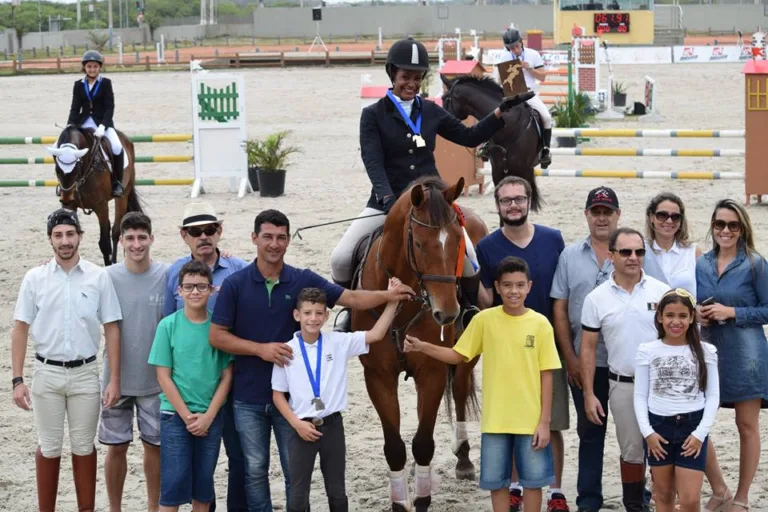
<point>423,244</point>
<point>86,183</point>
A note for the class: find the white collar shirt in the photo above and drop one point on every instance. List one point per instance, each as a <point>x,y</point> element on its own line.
<point>676,267</point>
<point>625,319</point>
<point>294,378</point>
<point>65,311</point>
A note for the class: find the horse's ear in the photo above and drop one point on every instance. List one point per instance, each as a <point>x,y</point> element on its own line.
<point>453,193</point>
<point>417,196</point>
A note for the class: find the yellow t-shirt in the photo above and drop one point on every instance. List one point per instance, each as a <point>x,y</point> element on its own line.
<point>516,349</point>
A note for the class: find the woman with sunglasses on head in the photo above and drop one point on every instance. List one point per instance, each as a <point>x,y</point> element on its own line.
<point>732,292</point>
<point>670,255</point>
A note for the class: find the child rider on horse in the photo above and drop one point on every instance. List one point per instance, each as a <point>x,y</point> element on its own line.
<point>533,69</point>
<point>397,142</point>
<point>93,105</point>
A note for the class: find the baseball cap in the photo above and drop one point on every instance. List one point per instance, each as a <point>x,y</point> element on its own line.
<point>602,196</point>
<point>62,216</point>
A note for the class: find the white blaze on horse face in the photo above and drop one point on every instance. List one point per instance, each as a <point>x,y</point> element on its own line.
<point>443,238</point>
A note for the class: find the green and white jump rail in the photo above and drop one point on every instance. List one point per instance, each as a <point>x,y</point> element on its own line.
<point>53,183</point>
<point>647,152</point>
<point>628,132</point>
<point>157,159</point>
<point>50,139</point>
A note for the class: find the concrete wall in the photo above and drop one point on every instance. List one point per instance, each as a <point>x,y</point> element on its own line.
<point>80,38</point>
<point>8,41</point>
<point>724,18</point>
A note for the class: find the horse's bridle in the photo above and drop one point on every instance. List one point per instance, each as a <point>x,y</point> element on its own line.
<point>84,175</point>
<point>398,333</point>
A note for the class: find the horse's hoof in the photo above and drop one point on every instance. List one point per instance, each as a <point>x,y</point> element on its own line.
<point>465,473</point>
<point>422,504</point>
<point>396,507</point>
<point>465,470</point>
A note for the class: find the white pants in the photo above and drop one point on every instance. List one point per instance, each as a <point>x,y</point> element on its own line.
<point>621,399</point>
<point>72,392</point>
<point>341,258</point>
<point>541,108</point>
<point>109,133</point>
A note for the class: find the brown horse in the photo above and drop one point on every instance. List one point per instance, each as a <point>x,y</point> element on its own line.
<point>421,243</point>
<point>515,149</point>
<point>84,177</point>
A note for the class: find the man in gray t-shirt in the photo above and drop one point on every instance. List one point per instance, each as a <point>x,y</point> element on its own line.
<point>140,284</point>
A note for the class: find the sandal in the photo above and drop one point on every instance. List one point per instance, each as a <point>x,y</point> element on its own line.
<point>743,505</point>
<point>723,500</point>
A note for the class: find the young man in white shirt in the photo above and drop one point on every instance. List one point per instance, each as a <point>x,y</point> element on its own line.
<point>622,309</point>
<point>63,304</point>
<point>533,70</point>
<point>318,395</point>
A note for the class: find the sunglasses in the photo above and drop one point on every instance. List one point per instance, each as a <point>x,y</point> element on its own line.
<point>663,216</point>
<point>626,253</point>
<point>733,226</point>
<point>201,287</point>
<point>196,231</point>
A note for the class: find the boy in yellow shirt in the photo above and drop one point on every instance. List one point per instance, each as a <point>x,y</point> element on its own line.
<point>519,345</point>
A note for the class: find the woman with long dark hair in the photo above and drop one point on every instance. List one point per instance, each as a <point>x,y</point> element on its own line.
<point>732,291</point>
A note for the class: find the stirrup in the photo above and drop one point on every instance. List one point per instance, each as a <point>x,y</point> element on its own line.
<point>117,189</point>
<point>546,158</point>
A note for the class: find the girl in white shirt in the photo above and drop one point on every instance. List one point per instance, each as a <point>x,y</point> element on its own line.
<point>676,399</point>
<point>670,256</point>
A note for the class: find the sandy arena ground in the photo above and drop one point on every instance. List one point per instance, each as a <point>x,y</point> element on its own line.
<point>325,183</point>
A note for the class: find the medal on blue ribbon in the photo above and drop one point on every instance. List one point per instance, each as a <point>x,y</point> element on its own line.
<point>314,379</point>
<point>88,91</point>
<point>415,128</point>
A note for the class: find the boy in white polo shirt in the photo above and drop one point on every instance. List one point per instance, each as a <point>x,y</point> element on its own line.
<point>317,385</point>
<point>623,309</point>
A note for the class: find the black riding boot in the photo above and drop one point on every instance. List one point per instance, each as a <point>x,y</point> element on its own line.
<point>117,174</point>
<point>546,158</point>
<point>343,321</point>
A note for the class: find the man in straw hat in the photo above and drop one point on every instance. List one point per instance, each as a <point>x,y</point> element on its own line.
<point>62,304</point>
<point>201,230</point>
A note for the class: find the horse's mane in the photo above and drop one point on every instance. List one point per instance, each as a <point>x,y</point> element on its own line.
<point>486,83</point>
<point>437,208</point>
<point>69,134</point>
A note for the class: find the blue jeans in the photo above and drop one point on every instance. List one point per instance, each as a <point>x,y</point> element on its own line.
<point>187,462</point>
<point>236,496</point>
<point>534,467</point>
<point>675,430</point>
<point>255,423</point>
<point>589,483</point>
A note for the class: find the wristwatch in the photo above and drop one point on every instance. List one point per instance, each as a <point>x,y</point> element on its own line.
<point>16,381</point>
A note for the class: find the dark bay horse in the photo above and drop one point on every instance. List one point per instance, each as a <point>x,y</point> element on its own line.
<point>420,244</point>
<point>513,150</point>
<point>83,173</point>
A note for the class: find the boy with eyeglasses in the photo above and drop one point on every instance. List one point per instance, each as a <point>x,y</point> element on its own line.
<point>195,379</point>
<point>622,309</point>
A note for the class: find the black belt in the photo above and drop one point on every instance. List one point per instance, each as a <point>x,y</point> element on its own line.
<point>620,378</point>
<point>319,422</point>
<point>65,364</point>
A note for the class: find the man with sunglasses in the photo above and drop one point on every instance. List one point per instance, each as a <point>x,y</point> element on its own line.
<point>582,267</point>
<point>201,230</point>
<point>540,247</point>
<point>533,70</point>
<point>622,309</point>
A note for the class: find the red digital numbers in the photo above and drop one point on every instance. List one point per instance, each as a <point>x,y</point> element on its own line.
<point>611,22</point>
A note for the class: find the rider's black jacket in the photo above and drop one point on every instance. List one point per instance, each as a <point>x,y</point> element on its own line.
<point>391,157</point>
<point>102,108</point>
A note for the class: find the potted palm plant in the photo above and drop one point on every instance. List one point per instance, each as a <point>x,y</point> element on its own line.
<point>619,94</point>
<point>576,117</point>
<point>270,157</point>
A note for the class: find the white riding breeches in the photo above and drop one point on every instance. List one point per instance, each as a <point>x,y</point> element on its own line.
<point>341,258</point>
<point>109,133</point>
<point>541,108</point>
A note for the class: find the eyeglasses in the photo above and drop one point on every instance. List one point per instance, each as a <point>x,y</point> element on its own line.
<point>682,292</point>
<point>196,231</point>
<point>518,200</point>
<point>626,253</point>
<point>663,216</point>
<point>201,287</point>
<point>733,226</point>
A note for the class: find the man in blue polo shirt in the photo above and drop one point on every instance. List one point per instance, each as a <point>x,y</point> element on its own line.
<point>201,230</point>
<point>253,319</point>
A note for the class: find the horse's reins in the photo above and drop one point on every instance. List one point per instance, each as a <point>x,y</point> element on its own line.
<point>398,333</point>
<point>82,179</point>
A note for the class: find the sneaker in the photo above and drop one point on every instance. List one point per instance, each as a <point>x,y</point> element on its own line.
<point>515,500</point>
<point>557,503</point>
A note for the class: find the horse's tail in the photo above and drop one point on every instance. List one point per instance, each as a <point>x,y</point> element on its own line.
<point>472,407</point>
<point>536,200</point>
<point>134,201</point>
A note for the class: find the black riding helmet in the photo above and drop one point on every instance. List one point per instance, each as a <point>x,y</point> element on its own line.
<point>512,36</point>
<point>92,56</point>
<point>407,54</point>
